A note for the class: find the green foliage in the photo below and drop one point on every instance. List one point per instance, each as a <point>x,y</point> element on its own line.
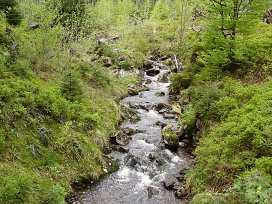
<point>240,140</point>
<point>10,8</point>
<point>15,189</point>
<point>19,186</point>
<point>180,81</point>
<point>71,87</point>
<point>188,118</point>
<point>253,187</point>
<point>72,15</point>
<point>264,164</point>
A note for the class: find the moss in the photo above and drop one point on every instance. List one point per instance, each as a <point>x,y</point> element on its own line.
<point>169,136</point>
<point>180,81</point>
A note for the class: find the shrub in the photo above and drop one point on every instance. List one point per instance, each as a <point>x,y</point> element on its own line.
<point>71,87</point>
<point>236,144</point>
<point>180,81</point>
<point>13,15</point>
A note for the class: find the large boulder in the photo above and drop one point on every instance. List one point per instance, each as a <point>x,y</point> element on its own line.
<point>170,138</point>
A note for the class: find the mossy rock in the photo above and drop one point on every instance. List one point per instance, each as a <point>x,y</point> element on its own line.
<point>170,138</point>
<point>180,81</point>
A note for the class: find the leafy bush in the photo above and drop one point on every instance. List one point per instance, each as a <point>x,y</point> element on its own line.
<point>10,7</point>
<point>235,144</point>
<point>253,187</point>
<point>71,87</point>
<point>180,81</point>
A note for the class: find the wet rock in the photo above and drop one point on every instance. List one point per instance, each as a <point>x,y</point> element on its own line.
<point>183,171</point>
<point>182,191</point>
<point>160,93</point>
<point>170,138</point>
<point>168,62</point>
<point>152,72</point>
<point>132,91</point>
<point>133,105</point>
<point>160,161</point>
<point>151,156</point>
<point>122,140</point>
<point>161,106</point>
<point>173,97</point>
<point>162,111</point>
<point>170,182</point>
<point>159,123</point>
<point>147,65</point>
<point>152,191</point>
<point>122,149</point>
<point>138,106</point>
<point>168,116</point>
<point>107,61</point>
<point>163,78</point>
<point>181,175</point>
<point>148,81</point>
<point>144,88</point>
<point>129,131</point>
<point>132,161</point>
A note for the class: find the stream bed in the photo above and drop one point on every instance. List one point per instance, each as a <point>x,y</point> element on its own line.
<point>146,167</point>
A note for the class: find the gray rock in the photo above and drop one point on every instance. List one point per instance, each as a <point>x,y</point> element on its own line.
<point>148,81</point>
<point>151,157</point>
<point>161,106</point>
<point>159,123</point>
<point>152,191</point>
<point>162,111</point>
<point>107,61</point>
<point>170,182</point>
<point>168,116</point>
<point>182,191</point>
<point>160,161</point>
<point>160,93</point>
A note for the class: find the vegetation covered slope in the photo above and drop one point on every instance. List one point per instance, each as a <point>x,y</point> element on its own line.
<point>56,108</point>
<point>227,88</point>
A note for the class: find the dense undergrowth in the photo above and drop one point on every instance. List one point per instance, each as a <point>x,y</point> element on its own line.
<point>226,93</point>
<point>57,108</point>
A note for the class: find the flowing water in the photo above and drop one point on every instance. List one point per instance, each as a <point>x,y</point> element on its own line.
<point>143,169</point>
